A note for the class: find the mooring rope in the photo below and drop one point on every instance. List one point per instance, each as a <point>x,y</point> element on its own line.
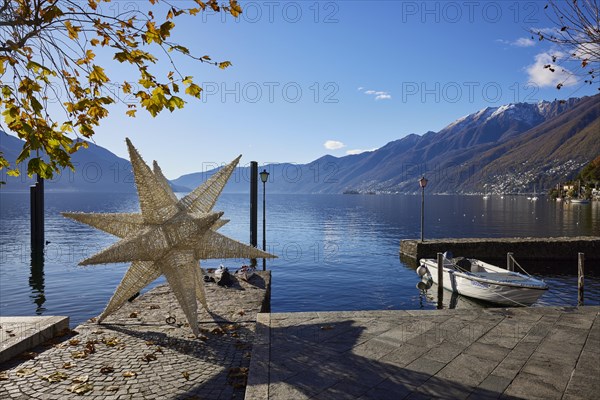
<point>519,265</point>
<point>555,293</point>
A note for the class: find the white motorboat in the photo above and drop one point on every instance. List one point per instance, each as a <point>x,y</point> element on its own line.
<point>480,280</point>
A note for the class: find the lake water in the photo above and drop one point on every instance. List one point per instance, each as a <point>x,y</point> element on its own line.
<point>336,252</point>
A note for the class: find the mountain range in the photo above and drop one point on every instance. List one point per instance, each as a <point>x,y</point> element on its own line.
<point>96,170</point>
<point>508,149</point>
<point>512,148</point>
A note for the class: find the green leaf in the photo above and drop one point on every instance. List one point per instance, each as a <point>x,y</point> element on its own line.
<point>35,104</point>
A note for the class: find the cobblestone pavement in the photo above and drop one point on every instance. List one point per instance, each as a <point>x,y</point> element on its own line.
<point>135,354</point>
<point>517,353</point>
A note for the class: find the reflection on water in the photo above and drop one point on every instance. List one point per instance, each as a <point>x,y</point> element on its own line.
<point>36,282</point>
<point>336,252</point>
<point>451,300</point>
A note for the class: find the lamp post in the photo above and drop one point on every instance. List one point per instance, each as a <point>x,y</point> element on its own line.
<point>422,182</point>
<point>264,176</point>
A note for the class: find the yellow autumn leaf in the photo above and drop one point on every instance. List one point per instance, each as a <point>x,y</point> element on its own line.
<point>79,354</point>
<point>234,8</point>
<point>55,377</point>
<point>224,64</point>
<point>25,372</point>
<point>73,31</point>
<point>81,379</point>
<point>193,90</point>
<point>126,88</point>
<point>81,388</point>
<point>97,75</point>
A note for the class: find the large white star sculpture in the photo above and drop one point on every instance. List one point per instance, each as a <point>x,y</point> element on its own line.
<point>169,237</point>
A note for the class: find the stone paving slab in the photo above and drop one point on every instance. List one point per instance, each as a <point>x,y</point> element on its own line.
<point>19,334</point>
<point>517,353</point>
<point>136,354</point>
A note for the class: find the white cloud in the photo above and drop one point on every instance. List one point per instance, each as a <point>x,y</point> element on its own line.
<point>358,151</point>
<point>379,94</point>
<point>520,42</point>
<point>383,96</point>
<point>360,88</point>
<point>524,42</point>
<point>586,51</point>
<point>333,145</point>
<point>543,76</point>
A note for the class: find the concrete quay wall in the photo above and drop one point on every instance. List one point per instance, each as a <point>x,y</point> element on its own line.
<point>529,248</point>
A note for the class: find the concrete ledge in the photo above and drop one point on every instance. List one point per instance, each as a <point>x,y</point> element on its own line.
<point>555,249</point>
<point>19,334</point>
<point>258,378</point>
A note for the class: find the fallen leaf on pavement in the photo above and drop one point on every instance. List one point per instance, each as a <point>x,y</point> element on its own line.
<point>81,388</point>
<point>55,377</point>
<point>25,371</point>
<point>81,379</point>
<point>79,354</point>
<point>106,370</point>
<point>149,357</point>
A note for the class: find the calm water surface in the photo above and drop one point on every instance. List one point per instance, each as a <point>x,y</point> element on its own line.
<point>336,252</point>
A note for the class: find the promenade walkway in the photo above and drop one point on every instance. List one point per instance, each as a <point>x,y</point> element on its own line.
<point>516,353</point>
<point>135,354</point>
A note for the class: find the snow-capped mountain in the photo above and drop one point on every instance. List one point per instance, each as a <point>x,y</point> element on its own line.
<point>505,149</point>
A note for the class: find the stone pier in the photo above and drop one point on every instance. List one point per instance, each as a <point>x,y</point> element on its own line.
<point>552,249</point>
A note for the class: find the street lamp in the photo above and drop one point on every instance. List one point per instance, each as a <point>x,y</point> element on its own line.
<point>422,182</point>
<point>264,176</point>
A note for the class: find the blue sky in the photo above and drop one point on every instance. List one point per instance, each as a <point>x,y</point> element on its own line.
<point>311,78</point>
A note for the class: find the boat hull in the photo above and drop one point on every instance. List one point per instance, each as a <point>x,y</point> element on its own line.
<point>485,287</point>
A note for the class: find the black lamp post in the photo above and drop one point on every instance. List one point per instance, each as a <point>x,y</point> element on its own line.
<point>264,176</point>
<point>422,182</point>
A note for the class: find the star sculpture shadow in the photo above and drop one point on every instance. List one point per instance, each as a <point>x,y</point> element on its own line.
<point>169,237</point>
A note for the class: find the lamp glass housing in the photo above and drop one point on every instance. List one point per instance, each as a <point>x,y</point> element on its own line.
<point>264,176</point>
